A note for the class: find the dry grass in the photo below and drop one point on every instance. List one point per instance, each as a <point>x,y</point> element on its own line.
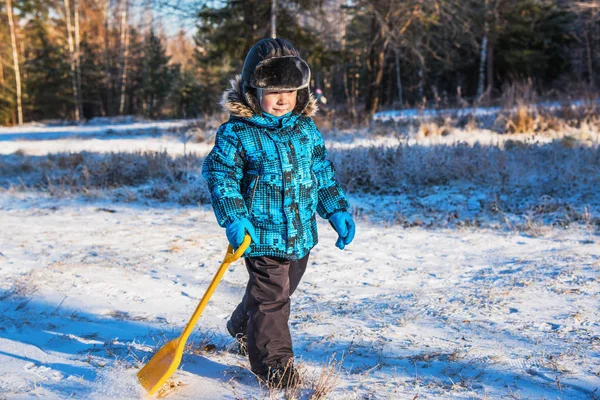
<point>521,116</point>
<point>174,248</point>
<point>528,119</point>
<point>155,175</point>
<point>291,389</point>
<point>454,356</point>
<point>196,134</point>
<point>203,342</point>
<point>168,388</point>
<point>327,380</point>
<point>317,387</point>
<point>518,92</point>
<point>523,120</point>
<point>519,111</point>
<point>517,165</point>
<point>275,390</point>
<point>430,129</point>
<point>21,289</point>
<point>93,170</point>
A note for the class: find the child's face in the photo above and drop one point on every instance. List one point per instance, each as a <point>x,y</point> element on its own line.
<point>278,102</point>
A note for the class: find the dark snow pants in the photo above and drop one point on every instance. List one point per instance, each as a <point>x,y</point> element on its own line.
<point>265,309</point>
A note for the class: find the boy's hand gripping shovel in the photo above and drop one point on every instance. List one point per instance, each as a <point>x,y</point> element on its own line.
<point>164,363</point>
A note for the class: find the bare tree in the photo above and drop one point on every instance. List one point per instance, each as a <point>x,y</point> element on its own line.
<point>13,40</point>
<point>72,58</point>
<point>484,44</point>
<point>401,24</point>
<point>124,56</point>
<point>495,18</point>
<point>380,14</point>
<point>107,75</point>
<point>78,56</point>
<point>1,67</point>
<point>398,76</point>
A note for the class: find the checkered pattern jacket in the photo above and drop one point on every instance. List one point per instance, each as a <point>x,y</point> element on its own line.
<point>276,174</point>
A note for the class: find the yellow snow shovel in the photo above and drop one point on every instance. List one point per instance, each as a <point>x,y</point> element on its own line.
<point>164,363</point>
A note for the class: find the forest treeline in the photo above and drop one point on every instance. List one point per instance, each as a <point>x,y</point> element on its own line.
<point>78,59</point>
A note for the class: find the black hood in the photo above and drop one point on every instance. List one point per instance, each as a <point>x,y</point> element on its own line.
<point>275,64</point>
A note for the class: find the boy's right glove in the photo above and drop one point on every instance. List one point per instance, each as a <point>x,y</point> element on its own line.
<point>236,231</point>
<point>344,225</point>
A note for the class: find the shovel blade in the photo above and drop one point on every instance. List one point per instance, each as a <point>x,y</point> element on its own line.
<point>161,366</point>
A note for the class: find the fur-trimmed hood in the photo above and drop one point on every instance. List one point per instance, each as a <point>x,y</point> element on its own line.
<point>236,104</point>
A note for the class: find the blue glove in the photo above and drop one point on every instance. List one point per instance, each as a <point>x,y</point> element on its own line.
<point>343,224</point>
<point>236,231</point>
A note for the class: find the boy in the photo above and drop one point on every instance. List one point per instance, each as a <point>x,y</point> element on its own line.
<point>268,175</point>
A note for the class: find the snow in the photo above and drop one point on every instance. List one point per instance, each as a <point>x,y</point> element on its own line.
<point>100,135</point>
<point>37,131</point>
<point>411,311</point>
<point>91,288</point>
<point>42,147</point>
<point>425,113</point>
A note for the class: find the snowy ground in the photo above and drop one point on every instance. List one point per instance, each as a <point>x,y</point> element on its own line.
<point>419,113</point>
<point>101,137</point>
<point>90,288</point>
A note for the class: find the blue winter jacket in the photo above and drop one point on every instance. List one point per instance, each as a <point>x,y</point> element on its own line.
<point>274,172</point>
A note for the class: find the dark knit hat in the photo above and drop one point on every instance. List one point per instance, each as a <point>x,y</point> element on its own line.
<point>275,64</point>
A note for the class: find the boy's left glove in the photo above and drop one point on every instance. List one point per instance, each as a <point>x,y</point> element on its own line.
<point>343,224</point>
<point>236,231</point>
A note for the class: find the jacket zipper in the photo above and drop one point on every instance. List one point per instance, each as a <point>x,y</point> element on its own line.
<point>254,192</point>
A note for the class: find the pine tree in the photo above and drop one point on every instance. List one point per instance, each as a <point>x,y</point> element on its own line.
<point>533,44</point>
<point>189,96</point>
<point>92,77</point>
<point>157,76</point>
<point>47,88</point>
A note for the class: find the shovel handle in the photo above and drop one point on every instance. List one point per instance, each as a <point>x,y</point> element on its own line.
<point>232,256</point>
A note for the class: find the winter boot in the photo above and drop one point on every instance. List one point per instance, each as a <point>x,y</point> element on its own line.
<point>280,376</point>
<point>241,340</point>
